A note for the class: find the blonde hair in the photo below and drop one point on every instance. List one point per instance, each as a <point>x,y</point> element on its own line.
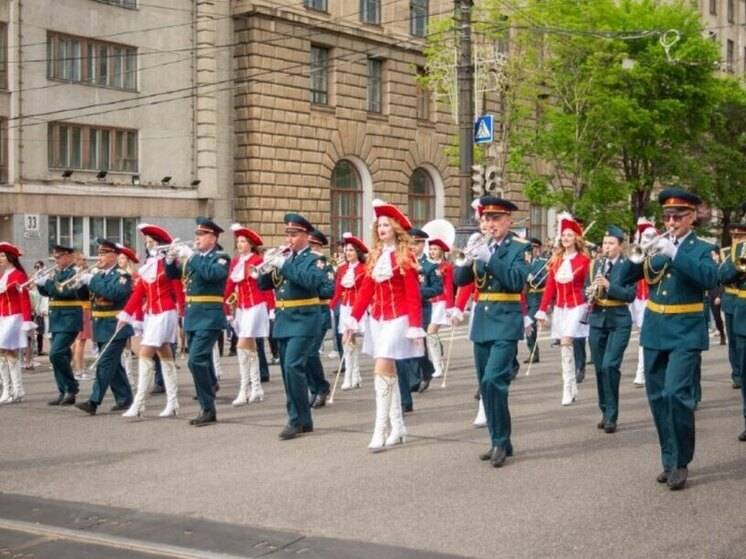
<point>404,257</point>
<point>557,257</point>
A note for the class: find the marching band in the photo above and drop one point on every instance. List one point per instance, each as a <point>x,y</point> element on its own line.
<point>391,300</point>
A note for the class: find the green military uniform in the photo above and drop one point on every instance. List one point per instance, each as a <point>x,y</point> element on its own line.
<point>497,327</point>
<point>317,382</point>
<point>610,324</point>
<point>674,333</point>
<point>65,322</point>
<point>728,303</point>
<point>204,283</point>
<point>110,291</point>
<point>297,318</point>
<point>535,285</point>
<point>729,274</point>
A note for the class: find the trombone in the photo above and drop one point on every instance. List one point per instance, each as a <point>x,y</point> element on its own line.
<point>37,274</point>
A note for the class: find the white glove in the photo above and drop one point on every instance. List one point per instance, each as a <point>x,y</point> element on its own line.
<point>184,252</point>
<point>28,326</point>
<point>41,280</point>
<point>85,279</point>
<point>540,315</point>
<point>414,333</point>
<point>171,255</point>
<point>529,277</point>
<point>272,314</point>
<point>483,253</point>
<point>279,260</point>
<point>665,246</point>
<point>455,316</point>
<point>138,327</point>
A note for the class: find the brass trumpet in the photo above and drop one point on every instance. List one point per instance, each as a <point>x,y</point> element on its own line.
<point>174,244</point>
<point>266,265</point>
<point>37,274</point>
<point>71,281</point>
<point>475,243</point>
<point>739,256</point>
<point>647,247</point>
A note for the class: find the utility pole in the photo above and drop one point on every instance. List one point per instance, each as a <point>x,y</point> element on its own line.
<point>465,77</point>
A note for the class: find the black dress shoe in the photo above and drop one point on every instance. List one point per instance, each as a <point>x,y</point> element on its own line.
<point>677,479</point>
<point>408,409</point>
<point>57,401</point>
<point>580,375</point>
<point>158,389</point>
<point>610,428</point>
<point>320,400</point>
<point>487,455</point>
<point>88,407</point>
<point>312,401</point>
<point>206,417</point>
<point>121,407</point>
<point>68,400</point>
<point>663,476</point>
<point>292,431</point>
<point>736,385</point>
<point>742,437</point>
<point>601,424</point>
<point>498,457</point>
<point>215,388</point>
<point>477,395</point>
<point>424,385</point>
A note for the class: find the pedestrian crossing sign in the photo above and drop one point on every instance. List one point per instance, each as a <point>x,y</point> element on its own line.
<point>484,130</point>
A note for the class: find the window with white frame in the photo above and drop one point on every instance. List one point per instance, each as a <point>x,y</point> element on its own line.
<point>370,11</point>
<point>76,146</point>
<point>81,233</point>
<point>91,62</point>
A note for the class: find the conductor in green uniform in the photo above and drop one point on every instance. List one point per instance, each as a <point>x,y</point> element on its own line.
<point>65,320</point>
<point>110,289</point>
<point>610,323</point>
<point>297,280</point>
<point>204,272</point>
<point>500,270</point>
<point>674,332</point>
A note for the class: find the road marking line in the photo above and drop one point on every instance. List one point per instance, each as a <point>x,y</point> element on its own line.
<point>107,540</point>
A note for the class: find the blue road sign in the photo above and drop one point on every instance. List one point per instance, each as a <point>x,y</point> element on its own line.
<point>484,130</point>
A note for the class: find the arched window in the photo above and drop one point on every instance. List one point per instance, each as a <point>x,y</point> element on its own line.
<point>421,198</point>
<point>346,200</point>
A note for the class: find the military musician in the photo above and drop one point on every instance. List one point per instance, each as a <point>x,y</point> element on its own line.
<point>535,284</point>
<point>729,302</point>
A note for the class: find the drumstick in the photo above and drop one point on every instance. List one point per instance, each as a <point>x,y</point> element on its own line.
<point>336,377</point>
<point>448,356</point>
<point>533,350</point>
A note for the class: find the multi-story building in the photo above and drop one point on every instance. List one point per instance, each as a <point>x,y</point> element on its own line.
<point>725,23</point>
<point>113,112</point>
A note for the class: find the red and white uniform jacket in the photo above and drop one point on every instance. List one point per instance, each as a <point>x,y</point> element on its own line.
<point>13,299</point>
<point>346,295</point>
<point>566,285</point>
<point>642,290</point>
<point>243,284</point>
<point>153,293</point>
<point>446,273</point>
<point>389,292</point>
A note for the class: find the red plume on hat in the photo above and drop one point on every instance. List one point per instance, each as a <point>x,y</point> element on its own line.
<point>382,208</point>
<point>643,224</point>
<point>567,221</point>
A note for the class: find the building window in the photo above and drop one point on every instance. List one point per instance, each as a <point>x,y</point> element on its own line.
<point>421,198</point>
<point>319,5</point>
<point>730,54</point>
<point>375,85</point>
<point>346,200</point>
<point>423,95</point>
<point>74,146</point>
<point>3,55</point>
<point>91,62</point>
<point>370,11</point>
<point>3,151</point>
<point>122,3</point>
<point>81,232</point>
<point>714,7</point>
<point>538,222</point>
<point>731,11</point>
<point>319,75</point>
<point>418,17</point>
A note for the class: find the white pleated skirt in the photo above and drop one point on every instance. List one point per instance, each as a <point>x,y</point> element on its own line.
<point>637,308</point>
<point>252,322</point>
<point>566,322</point>
<point>11,334</point>
<point>386,339</point>
<point>439,315</point>
<point>345,312</point>
<point>159,329</point>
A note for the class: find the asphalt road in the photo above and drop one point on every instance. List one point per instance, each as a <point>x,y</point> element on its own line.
<point>78,486</point>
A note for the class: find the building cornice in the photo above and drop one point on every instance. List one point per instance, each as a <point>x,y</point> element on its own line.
<point>72,189</point>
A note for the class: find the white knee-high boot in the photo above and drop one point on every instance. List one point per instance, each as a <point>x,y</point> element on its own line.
<point>569,386</point>
<point>640,373</point>
<point>255,380</point>
<point>127,363</point>
<point>216,362</point>
<point>349,360</point>
<point>481,419</point>
<point>384,386</point>
<point>243,371</point>
<point>355,359</point>
<point>433,352</point>
<point>17,392</point>
<point>398,433</point>
<point>5,378</point>
<point>168,366</point>
<point>145,374</point>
